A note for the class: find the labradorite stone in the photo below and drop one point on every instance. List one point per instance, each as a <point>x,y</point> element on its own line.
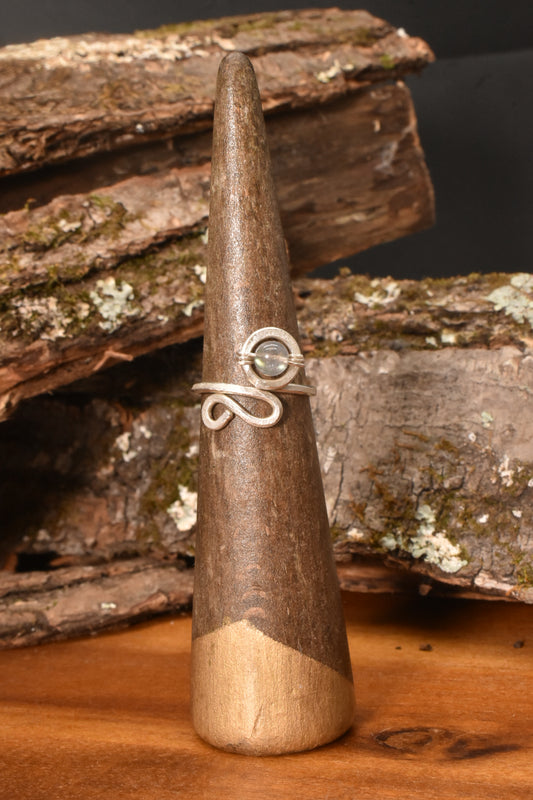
<point>271,359</point>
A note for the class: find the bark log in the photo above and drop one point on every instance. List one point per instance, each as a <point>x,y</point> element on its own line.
<point>424,432</point>
<point>117,270</point>
<point>424,389</point>
<point>39,606</point>
<point>74,97</point>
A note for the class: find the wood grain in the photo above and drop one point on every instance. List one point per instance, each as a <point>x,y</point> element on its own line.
<point>107,718</point>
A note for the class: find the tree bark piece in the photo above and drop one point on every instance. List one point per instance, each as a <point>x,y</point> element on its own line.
<point>37,606</point>
<point>110,263</point>
<point>73,97</point>
<point>92,278</point>
<point>424,433</point>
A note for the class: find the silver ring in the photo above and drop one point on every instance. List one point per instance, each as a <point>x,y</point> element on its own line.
<point>280,355</point>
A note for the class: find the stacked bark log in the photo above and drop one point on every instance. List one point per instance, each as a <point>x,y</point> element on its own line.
<point>424,388</point>
<point>103,253</point>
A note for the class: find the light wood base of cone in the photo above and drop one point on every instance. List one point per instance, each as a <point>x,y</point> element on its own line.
<point>254,695</point>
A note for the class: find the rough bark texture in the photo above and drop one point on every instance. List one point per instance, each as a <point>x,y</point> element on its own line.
<point>424,389</point>
<point>424,433</point>
<point>39,606</point>
<point>73,97</point>
<point>110,273</point>
<point>105,146</point>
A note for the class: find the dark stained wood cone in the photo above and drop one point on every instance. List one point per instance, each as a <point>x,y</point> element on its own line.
<point>270,663</point>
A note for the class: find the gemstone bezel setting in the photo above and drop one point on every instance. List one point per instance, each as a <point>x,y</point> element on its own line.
<point>271,336</point>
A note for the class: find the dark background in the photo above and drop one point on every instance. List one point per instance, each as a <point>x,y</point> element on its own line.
<point>474,108</point>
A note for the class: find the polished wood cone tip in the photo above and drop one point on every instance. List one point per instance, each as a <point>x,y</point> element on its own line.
<point>248,284</point>
<point>271,671</point>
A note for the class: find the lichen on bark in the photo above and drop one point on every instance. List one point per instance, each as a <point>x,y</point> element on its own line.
<point>422,465</point>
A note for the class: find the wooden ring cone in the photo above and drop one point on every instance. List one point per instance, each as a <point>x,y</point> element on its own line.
<point>271,669</point>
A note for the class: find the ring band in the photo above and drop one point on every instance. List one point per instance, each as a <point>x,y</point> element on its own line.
<point>275,379</point>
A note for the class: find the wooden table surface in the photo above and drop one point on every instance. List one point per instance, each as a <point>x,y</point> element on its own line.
<point>107,717</point>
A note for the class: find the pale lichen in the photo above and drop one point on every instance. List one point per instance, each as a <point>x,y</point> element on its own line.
<point>123,443</point>
<point>391,542</point>
<point>384,294</point>
<point>128,442</point>
<point>192,306</point>
<point>201,272</point>
<point>46,316</point>
<point>486,419</point>
<point>448,337</point>
<point>505,472</point>
<point>183,510</point>
<point>428,543</point>
<point>69,226</point>
<point>114,303</point>
<point>329,74</point>
<point>62,52</point>
<point>355,535</point>
<point>515,298</point>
